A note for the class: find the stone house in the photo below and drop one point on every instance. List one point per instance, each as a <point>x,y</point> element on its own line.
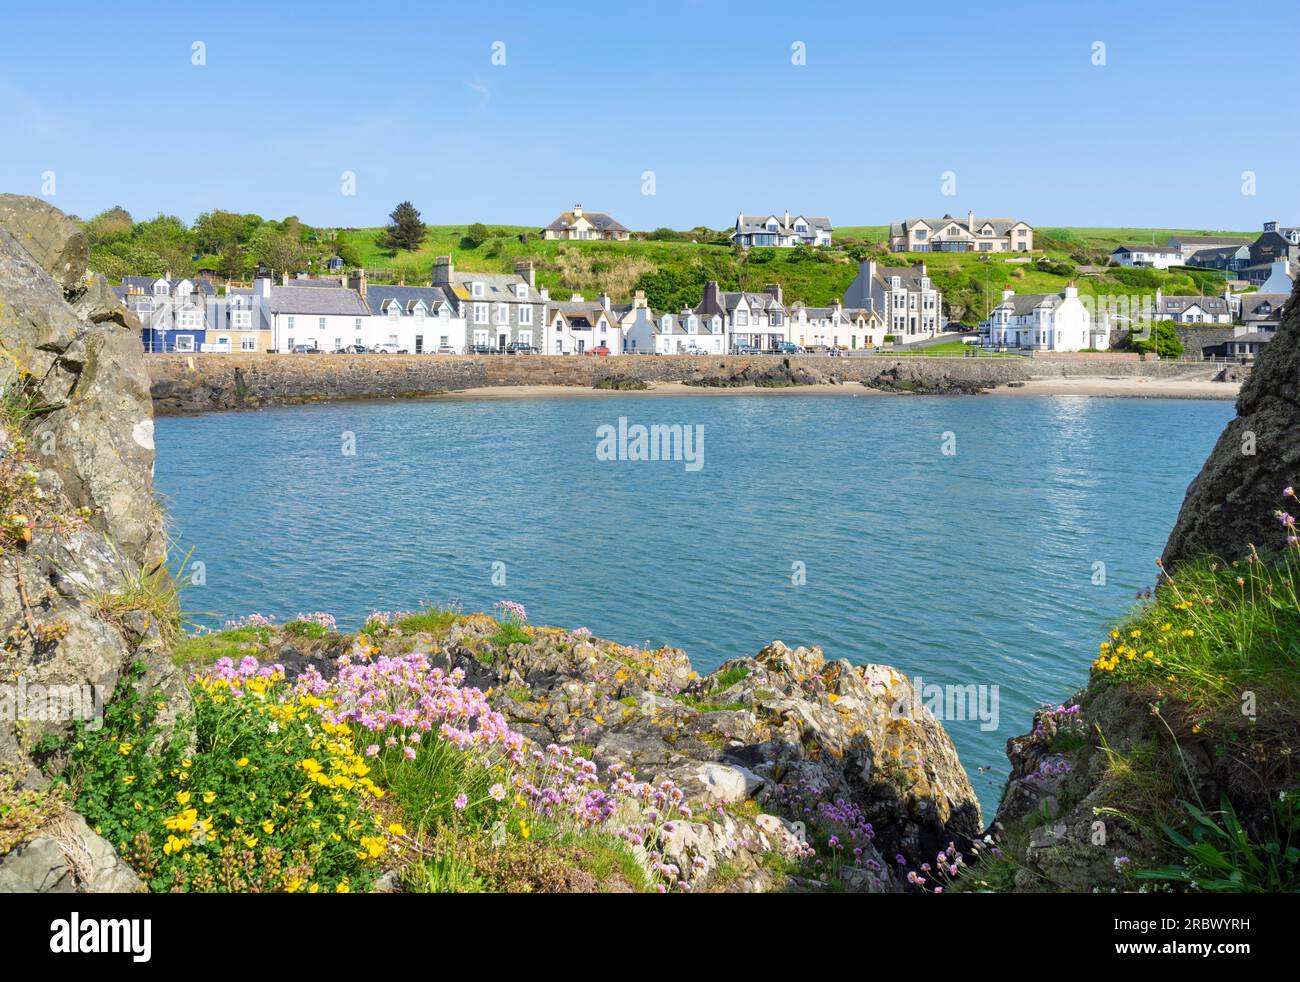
<point>907,300</point>
<point>499,308</point>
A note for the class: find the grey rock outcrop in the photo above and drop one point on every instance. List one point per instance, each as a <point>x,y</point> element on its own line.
<point>67,857</point>
<point>1230,504</point>
<point>76,476</point>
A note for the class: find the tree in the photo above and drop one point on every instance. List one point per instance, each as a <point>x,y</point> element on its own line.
<point>108,226</point>
<point>1166,342</point>
<point>476,235</point>
<point>279,251</point>
<point>231,263</point>
<point>405,230</point>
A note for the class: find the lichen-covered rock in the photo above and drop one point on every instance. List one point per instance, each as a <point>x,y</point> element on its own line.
<point>76,475</point>
<point>48,236</point>
<point>1229,505</point>
<point>67,857</point>
<point>758,745</point>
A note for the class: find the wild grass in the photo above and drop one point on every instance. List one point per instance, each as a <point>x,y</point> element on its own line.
<point>152,590</point>
<point>232,643</point>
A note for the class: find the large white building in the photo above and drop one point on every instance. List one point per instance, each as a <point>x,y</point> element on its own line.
<point>1046,322</point>
<point>328,317</point>
<point>578,326</point>
<point>416,319</point>
<point>784,231</point>
<point>1157,257</point>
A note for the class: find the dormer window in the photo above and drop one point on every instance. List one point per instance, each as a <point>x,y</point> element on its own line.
<point>521,291</point>
<point>476,289</point>
<point>394,311</point>
<point>692,325</point>
<point>666,323</point>
<point>160,288</point>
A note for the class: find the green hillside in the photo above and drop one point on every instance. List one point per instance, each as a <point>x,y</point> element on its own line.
<point>672,267</point>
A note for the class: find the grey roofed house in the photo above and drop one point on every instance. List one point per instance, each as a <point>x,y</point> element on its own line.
<point>1176,305</point>
<point>757,222</point>
<point>317,300</point>
<point>1027,303</point>
<point>678,322</point>
<point>1262,308</point>
<point>1141,247</point>
<point>1209,241</point>
<point>1217,254</point>
<point>497,287</point>
<point>601,221</point>
<point>378,297</point>
<point>1000,225</point>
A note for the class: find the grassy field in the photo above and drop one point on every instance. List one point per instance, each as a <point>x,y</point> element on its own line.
<point>673,273</point>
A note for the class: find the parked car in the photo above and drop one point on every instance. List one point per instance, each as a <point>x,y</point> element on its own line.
<point>355,349</point>
<point>519,348</point>
<point>787,348</point>
<point>482,349</point>
<point>747,349</point>
<point>446,349</point>
<point>598,350</point>
<point>306,349</point>
<point>694,349</point>
<point>818,349</point>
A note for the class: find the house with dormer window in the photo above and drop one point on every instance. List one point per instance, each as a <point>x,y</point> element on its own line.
<point>500,309</point>
<point>418,319</point>
<point>949,234</point>
<point>784,231</point>
<point>580,225</point>
<point>577,326</point>
<point>1046,322</point>
<point>750,320</point>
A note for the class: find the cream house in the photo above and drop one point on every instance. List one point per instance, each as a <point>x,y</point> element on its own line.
<point>578,326</point>
<point>583,225</point>
<point>948,234</point>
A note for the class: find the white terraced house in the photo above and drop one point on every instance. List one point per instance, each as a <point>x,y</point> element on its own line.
<point>321,316</point>
<point>1193,310</point>
<point>905,297</point>
<point>577,326</point>
<point>835,326</point>
<point>784,231</point>
<point>948,234</point>
<point>687,333</point>
<point>1046,322</point>
<point>416,319</point>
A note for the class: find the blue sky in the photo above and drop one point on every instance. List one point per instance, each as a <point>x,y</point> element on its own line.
<point>701,92</point>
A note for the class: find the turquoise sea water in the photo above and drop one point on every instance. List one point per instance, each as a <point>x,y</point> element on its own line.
<point>971,567</point>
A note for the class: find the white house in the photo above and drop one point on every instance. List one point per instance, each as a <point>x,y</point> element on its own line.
<point>1046,322</point>
<point>1193,310</point>
<point>1157,257</point>
<point>756,320</point>
<point>418,319</point>
<point>687,333</point>
<point>785,230</point>
<point>577,326</point>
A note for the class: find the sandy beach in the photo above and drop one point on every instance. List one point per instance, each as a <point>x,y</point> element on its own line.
<point>1139,387</point>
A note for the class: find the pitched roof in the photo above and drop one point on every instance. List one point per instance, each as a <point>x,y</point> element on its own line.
<point>496,286</point>
<point>601,221</point>
<point>317,300</point>
<point>1211,305</point>
<point>1251,302</point>
<point>1027,303</point>
<point>1127,247</point>
<point>758,222</point>
<point>1000,225</point>
<point>1211,240</point>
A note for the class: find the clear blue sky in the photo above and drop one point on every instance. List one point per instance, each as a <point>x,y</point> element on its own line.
<point>701,92</point>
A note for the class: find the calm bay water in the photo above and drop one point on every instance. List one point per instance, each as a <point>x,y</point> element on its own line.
<point>975,567</point>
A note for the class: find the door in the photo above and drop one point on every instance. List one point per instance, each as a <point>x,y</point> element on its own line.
<point>419,344</point>
<point>501,342</point>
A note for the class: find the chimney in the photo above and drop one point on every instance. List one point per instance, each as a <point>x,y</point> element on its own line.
<point>576,298</point>
<point>787,218</point>
<point>603,297</point>
<point>525,269</point>
<point>168,276</point>
<point>1072,291</point>
<point>577,211</point>
<point>546,294</point>
<point>1008,293</point>
<point>443,271</point>
<point>970,221</point>
<point>774,290</point>
<point>357,281</point>
<point>638,299</point>
<point>262,287</point>
<point>712,302</point>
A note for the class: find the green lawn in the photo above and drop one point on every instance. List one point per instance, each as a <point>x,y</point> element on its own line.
<point>673,273</point>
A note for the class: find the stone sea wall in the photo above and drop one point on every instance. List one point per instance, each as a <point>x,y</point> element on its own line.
<point>214,382</point>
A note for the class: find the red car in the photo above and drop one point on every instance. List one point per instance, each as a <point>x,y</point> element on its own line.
<point>602,350</point>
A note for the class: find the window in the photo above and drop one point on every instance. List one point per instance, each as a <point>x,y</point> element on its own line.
<point>521,291</point>
<point>503,314</point>
<point>419,344</point>
<point>481,313</point>
<point>356,324</point>
<point>321,323</point>
<point>526,314</point>
<point>290,326</point>
<point>920,233</point>
<point>185,342</point>
<point>338,344</point>
<point>476,289</point>
<point>394,311</point>
<point>247,342</point>
<point>742,318</point>
<point>241,318</point>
